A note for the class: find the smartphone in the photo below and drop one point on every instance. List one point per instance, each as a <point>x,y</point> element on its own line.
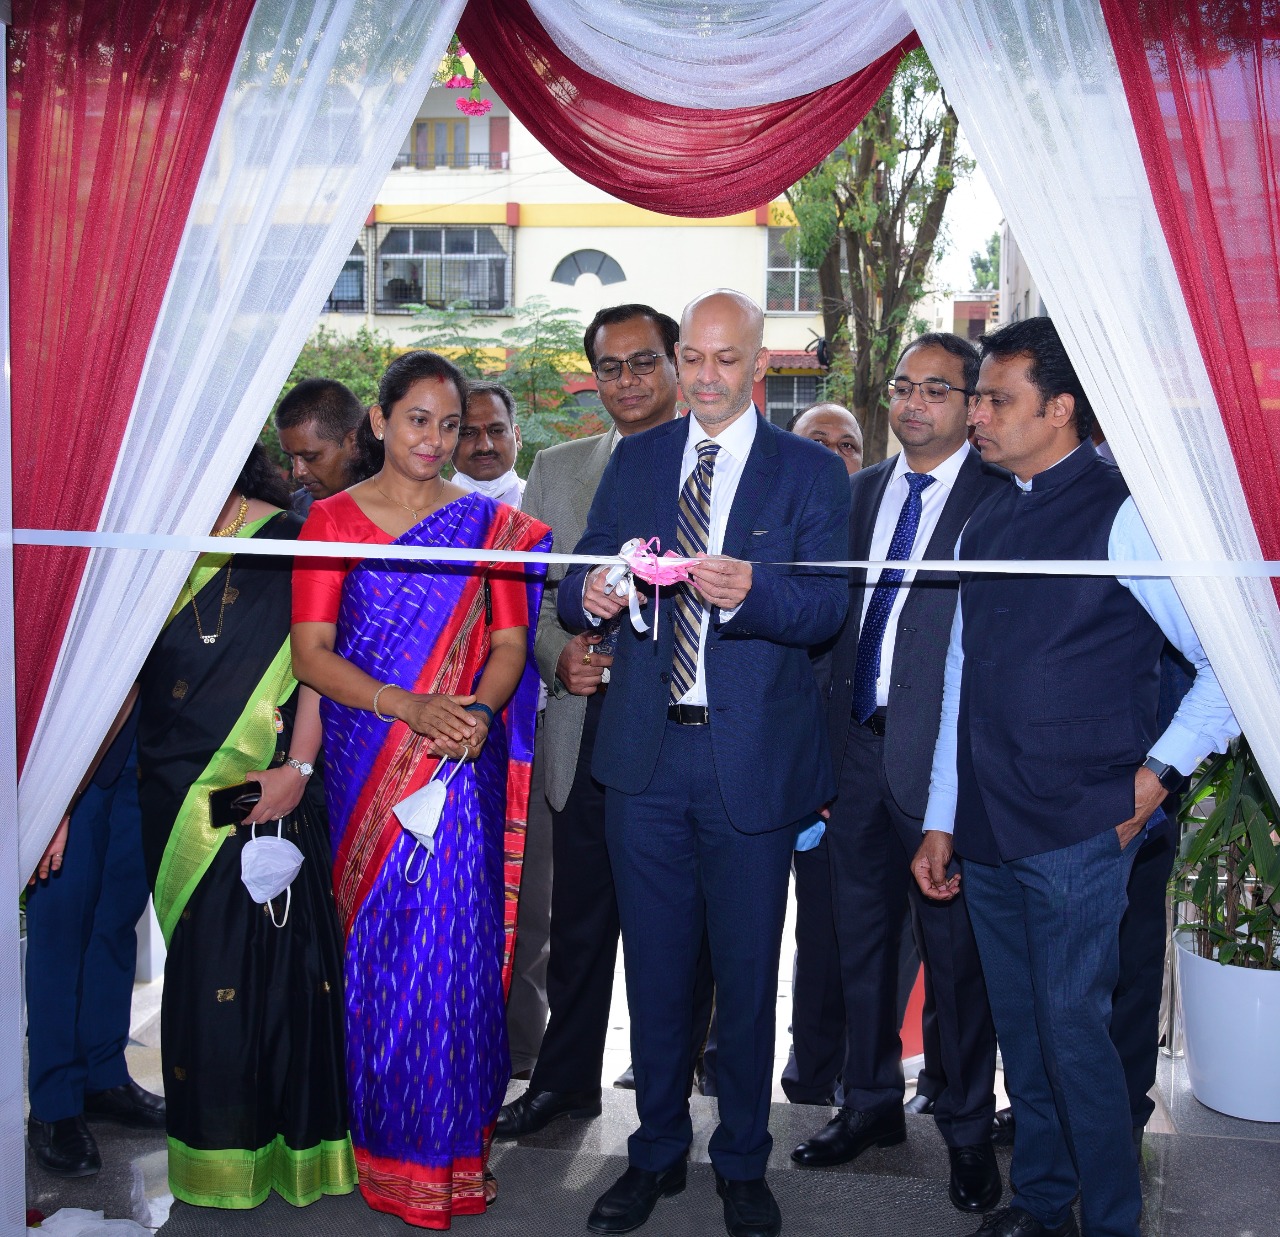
<point>231,804</point>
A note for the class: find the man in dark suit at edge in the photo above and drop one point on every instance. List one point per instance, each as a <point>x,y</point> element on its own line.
<point>884,705</point>
<point>1049,768</point>
<point>711,744</point>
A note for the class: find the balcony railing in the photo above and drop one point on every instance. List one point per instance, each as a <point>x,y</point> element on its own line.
<point>494,161</point>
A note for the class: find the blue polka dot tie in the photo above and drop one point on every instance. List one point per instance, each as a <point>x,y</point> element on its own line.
<point>871,638</point>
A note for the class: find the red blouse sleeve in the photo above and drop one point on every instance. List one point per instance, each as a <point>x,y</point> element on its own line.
<point>317,582</point>
<point>510,600</point>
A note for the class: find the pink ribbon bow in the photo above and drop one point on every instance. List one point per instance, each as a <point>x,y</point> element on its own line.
<point>641,560</point>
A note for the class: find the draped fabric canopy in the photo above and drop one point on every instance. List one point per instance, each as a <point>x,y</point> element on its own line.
<point>182,201</point>
<point>672,159</point>
<point>699,55</point>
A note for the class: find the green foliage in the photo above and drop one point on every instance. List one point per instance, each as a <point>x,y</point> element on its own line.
<point>986,266</point>
<point>870,220</point>
<point>530,357</point>
<point>356,360</point>
<point>1229,862</point>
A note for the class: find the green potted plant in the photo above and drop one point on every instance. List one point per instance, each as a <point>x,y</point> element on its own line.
<point>1228,884</point>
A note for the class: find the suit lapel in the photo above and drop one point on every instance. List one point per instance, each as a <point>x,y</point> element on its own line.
<point>589,477</point>
<point>753,485</point>
<point>862,523</point>
<point>664,487</point>
<point>959,506</point>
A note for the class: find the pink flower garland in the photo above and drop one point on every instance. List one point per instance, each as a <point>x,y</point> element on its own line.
<point>458,79</point>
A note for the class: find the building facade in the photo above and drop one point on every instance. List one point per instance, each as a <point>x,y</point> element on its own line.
<point>476,210</point>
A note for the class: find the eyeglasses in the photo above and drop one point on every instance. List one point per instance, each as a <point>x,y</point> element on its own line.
<point>930,391</point>
<point>639,365</point>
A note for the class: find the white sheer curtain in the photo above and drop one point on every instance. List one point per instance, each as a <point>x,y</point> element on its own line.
<point>323,96</point>
<point>1040,100</point>
<point>723,55</point>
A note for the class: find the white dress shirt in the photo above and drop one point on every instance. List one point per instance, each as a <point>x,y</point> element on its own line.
<point>1203,723</point>
<point>735,445</point>
<point>932,499</point>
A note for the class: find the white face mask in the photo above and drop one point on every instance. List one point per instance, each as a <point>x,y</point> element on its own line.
<point>420,814</point>
<point>268,866</point>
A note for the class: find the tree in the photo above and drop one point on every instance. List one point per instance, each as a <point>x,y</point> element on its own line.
<point>357,360</point>
<point>530,358</point>
<point>869,219</point>
<point>986,266</point>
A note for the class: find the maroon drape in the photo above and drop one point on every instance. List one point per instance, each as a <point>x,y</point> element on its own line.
<point>675,160</point>
<point>1202,78</point>
<point>111,107</point>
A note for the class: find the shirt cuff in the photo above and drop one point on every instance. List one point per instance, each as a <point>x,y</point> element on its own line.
<point>1180,747</point>
<point>593,619</point>
<point>940,814</point>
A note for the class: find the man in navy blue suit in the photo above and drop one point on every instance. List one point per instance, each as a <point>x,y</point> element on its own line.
<point>711,743</point>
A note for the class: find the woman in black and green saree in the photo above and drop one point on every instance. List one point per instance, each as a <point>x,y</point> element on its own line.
<point>252,1021</point>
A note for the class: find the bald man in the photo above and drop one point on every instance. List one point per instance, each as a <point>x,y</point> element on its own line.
<point>832,426</point>
<point>711,743</point>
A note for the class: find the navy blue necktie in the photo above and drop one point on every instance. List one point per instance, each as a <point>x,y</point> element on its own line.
<point>871,638</point>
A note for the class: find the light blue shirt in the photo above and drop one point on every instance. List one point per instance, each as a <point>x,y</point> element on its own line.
<point>1203,723</point>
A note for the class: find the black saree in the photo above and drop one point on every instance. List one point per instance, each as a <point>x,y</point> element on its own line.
<point>252,1019</point>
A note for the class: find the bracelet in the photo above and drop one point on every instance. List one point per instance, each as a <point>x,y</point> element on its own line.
<point>375,703</point>
<point>479,707</point>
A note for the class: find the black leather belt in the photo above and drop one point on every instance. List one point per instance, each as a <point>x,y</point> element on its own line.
<point>688,714</point>
<point>875,723</point>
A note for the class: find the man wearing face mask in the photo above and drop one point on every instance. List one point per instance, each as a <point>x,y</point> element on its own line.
<point>711,743</point>
<point>631,349</point>
<point>488,441</point>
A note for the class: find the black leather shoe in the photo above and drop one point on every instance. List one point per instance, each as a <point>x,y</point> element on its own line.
<point>530,1112</point>
<point>1002,1126</point>
<point>975,1178</point>
<point>64,1148</point>
<point>630,1200</point>
<point>127,1104</point>
<point>921,1105</point>
<point>750,1210</point>
<point>626,1081</point>
<point>848,1134</point>
<point>1014,1222</point>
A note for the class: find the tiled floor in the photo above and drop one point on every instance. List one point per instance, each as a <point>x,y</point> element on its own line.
<point>1205,1175</point>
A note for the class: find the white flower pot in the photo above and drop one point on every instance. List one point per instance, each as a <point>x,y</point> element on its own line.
<point>1230,1020</point>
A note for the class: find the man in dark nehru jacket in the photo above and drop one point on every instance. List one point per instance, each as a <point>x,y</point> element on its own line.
<point>1049,768</point>
<point>711,744</point>
<point>884,704</point>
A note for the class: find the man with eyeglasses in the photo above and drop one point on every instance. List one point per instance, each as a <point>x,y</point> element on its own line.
<point>1049,768</point>
<point>631,349</point>
<point>884,705</point>
<point>832,426</point>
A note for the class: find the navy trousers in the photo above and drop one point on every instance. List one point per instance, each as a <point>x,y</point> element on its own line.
<point>82,952</point>
<point>681,869</point>
<point>1048,930</point>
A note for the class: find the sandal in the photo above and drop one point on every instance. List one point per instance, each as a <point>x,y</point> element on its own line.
<point>490,1189</point>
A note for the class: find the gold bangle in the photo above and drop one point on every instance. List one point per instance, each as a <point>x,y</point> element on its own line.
<point>375,704</point>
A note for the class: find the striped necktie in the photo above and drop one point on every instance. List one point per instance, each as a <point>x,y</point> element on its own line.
<point>693,535</point>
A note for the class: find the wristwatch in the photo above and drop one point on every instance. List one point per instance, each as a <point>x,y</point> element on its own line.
<point>301,765</point>
<point>1167,775</point>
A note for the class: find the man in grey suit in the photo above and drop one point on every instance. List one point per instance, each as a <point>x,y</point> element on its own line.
<point>631,349</point>
<point>885,705</point>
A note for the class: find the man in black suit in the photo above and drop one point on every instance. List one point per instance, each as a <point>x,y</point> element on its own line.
<point>884,708</point>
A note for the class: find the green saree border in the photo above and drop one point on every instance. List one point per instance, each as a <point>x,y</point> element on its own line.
<point>239,1179</point>
<point>249,746</point>
<point>208,565</point>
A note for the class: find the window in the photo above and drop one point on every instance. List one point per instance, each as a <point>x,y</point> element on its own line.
<point>440,143</point>
<point>348,293</point>
<point>587,262</point>
<point>787,394</point>
<point>442,266</point>
<point>789,286</point>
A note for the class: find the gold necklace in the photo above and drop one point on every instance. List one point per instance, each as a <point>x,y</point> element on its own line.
<point>397,502</point>
<point>237,524</point>
<point>222,609</point>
